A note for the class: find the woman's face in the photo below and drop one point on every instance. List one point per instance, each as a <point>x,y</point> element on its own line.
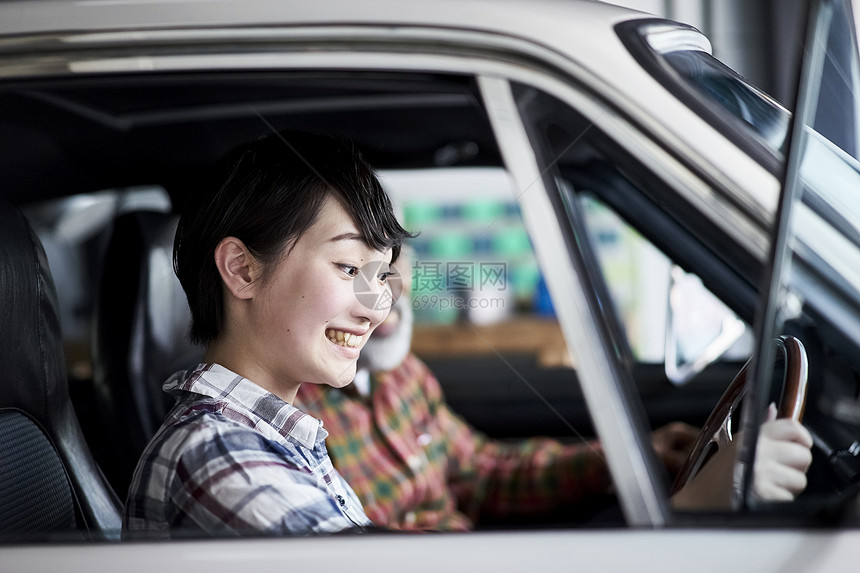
<point>307,323</point>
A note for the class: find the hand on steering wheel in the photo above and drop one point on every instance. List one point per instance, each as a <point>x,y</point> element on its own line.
<point>776,478</point>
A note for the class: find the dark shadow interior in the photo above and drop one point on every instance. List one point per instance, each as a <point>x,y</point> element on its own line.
<point>60,137</point>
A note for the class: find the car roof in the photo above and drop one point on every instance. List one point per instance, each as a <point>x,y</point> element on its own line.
<point>569,38</point>
<point>548,19</point>
<point>69,116</point>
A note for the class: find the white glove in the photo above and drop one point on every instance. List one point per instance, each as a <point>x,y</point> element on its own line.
<point>783,454</point>
<point>782,457</point>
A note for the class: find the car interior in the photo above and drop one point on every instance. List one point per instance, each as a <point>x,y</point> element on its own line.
<point>101,164</point>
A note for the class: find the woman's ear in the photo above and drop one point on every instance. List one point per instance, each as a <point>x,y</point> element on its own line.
<point>236,267</point>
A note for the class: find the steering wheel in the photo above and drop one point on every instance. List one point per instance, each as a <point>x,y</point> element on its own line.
<point>717,431</point>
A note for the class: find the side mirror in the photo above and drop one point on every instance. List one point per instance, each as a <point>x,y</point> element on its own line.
<point>699,328</point>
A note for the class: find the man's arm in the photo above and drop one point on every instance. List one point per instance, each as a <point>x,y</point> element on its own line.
<point>529,476</point>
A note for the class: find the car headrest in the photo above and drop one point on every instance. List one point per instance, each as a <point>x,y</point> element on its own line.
<point>31,348</point>
<point>34,379</point>
<point>142,320</point>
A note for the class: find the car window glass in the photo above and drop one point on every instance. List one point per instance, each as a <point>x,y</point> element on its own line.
<point>601,185</point>
<point>657,311</point>
<point>722,87</point>
<point>813,293</point>
<point>471,246</point>
<point>680,58</point>
<point>664,309</point>
<point>835,115</point>
<point>484,321</point>
<point>828,216</point>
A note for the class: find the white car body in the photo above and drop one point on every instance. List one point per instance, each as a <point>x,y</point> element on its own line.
<point>567,49</point>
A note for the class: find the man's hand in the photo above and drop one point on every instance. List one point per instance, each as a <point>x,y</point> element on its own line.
<point>672,443</point>
<point>782,457</point>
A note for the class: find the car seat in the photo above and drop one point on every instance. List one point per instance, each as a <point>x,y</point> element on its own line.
<point>50,485</point>
<point>142,319</point>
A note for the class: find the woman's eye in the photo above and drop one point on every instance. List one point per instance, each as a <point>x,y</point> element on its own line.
<point>349,269</point>
<point>383,277</point>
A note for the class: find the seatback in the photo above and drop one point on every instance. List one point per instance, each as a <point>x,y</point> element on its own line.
<point>49,482</point>
<point>142,319</point>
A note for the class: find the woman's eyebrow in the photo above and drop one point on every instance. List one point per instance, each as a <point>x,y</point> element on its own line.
<point>351,236</point>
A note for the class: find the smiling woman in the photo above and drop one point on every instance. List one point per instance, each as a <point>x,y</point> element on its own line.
<point>267,254</point>
<point>301,321</point>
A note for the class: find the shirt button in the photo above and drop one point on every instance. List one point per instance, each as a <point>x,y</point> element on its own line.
<point>415,462</point>
<point>410,518</point>
<point>424,439</point>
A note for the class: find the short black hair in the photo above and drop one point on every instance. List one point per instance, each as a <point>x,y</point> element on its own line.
<point>267,193</point>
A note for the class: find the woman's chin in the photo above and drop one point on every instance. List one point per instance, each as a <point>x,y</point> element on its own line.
<point>343,378</point>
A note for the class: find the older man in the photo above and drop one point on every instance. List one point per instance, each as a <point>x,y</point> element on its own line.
<point>416,464</point>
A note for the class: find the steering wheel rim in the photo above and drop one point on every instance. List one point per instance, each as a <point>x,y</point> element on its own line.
<point>716,431</point>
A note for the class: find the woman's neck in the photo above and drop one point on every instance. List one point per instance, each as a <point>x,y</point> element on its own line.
<point>241,360</point>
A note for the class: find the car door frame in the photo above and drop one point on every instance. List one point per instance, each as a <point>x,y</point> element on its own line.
<point>495,61</point>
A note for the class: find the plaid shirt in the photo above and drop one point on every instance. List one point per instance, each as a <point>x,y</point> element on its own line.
<point>232,458</point>
<point>417,465</point>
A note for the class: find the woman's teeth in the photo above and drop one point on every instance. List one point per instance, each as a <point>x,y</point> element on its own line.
<point>344,338</point>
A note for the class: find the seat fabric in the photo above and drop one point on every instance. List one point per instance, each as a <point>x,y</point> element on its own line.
<point>36,497</point>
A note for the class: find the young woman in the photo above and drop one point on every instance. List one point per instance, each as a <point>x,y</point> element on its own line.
<point>269,256</point>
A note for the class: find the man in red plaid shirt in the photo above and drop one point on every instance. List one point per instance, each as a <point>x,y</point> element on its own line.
<point>415,464</point>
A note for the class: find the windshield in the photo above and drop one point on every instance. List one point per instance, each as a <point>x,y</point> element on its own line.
<point>680,58</point>
<point>719,85</point>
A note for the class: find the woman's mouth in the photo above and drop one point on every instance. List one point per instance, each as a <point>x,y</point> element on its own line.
<point>342,338</point>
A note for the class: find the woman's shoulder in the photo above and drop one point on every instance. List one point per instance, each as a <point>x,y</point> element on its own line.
<point>193,423</point>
